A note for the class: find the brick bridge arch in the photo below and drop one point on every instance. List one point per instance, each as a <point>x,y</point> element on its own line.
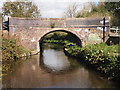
<point>31,30</point>
<point>46,32</point>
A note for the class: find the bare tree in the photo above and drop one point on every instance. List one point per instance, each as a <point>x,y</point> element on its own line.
<point>71,10</point>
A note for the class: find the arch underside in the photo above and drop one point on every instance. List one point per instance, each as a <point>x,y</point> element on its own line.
<point>74,35</point>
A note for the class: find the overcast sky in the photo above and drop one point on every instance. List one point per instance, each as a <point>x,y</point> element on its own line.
<point>54,8</point>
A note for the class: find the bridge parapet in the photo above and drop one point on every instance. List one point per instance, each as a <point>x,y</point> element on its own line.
<point>58,22</point>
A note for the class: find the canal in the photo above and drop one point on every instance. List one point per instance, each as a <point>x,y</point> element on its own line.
<point>53,69</point>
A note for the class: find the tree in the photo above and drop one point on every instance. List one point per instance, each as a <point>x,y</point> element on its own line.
<point>85,11</point>
<point>20,8</point>
<point>71,10</point>
<point>92,10</point>
<point>114,8</point>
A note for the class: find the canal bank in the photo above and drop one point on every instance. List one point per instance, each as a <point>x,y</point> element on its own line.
<point>12,52</point>
<point>99,59</point>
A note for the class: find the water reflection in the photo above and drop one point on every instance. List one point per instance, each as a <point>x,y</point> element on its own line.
<point>55,60</point>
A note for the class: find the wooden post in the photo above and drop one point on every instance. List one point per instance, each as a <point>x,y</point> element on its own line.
<point>104,29</point>
<point>8,27</point>
<point>109,26</point>
<point>2,24</point>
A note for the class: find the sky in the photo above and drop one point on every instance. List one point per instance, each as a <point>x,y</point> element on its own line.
<point>54,8</point>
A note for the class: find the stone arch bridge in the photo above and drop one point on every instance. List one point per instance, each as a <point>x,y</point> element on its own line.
<point>32,30</point>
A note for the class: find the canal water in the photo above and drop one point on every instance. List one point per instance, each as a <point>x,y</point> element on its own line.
<point>53,69</point>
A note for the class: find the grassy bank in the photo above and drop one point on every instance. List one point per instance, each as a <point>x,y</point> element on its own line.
<point>11,52</point>
<point>98,56</point>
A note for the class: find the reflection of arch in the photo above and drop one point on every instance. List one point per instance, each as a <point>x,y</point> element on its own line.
<point>73,33</point>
